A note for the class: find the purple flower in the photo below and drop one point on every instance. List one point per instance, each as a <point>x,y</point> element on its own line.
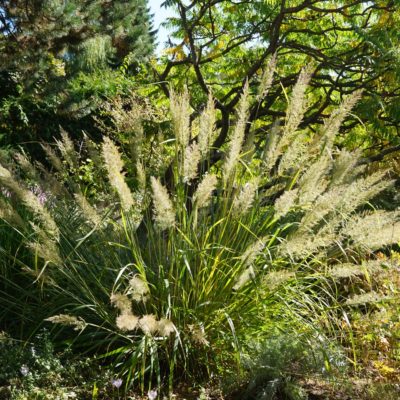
<point>152,394</point>
<point>117,383</point>
<point>40,194</point>
<point>24,370</point>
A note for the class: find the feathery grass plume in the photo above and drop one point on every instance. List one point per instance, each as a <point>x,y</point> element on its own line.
<point>26,166</point>
<point>50,182</point>
<point>148,324</point>
<point>237,137</point>
<point>295,157</point>
<point>180,112</point>
<point>271,151</point>
<point>30,200</point>
<point>249,147</point>
<point>253,251</point>
<point>122,302</point>
<point>141,176</point>
<point>68,320</point>
<point>275,279</point>
<point>67,149</point>
<point>46,249</point>
<point>202,196</point>
<point>88,211</point>
<point>166,327</point>
<point>319,211</point>
<point>302,244</point>
<point>127,322</point>
<point>8,213</point>
<point>296,108</point>
<point>207,126</point>
<point>365,298</point>
<point>191,161</point>
<point>347,270</point>
<point>52,157</point>
<point>138,289</point>
<point>114,166</point>
<point>359,191</point>
<point>375,230</point>
<point>267,78</point>
<point>272,193</point>
<point>164,213</point>
<point>245,199</point>
<point>247,275</point>
<point>314,181</point>
<point>286,202</point>
<point>332,125</point>
<point>344,167</point>
<point>127,115</point>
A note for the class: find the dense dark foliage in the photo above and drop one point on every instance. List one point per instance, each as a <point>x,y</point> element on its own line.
<point>60,59</point>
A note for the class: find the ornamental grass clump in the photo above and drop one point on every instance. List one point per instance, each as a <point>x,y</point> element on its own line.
<point>167,275</point>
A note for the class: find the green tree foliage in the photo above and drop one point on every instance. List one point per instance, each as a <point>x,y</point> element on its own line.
<point>218,45</point>
<point>58,58</point>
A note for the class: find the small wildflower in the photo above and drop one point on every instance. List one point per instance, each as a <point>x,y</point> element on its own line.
<point>152,394</point>
<point>24,370</point>
<point>117,383</point>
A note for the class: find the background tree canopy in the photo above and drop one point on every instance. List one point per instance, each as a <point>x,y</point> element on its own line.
<point>61,60</point>
<point>60,57</point>
<point>218,45</point>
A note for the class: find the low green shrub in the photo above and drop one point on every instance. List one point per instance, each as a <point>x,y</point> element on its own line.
<point>33,370</point>
<point>277,366</point>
